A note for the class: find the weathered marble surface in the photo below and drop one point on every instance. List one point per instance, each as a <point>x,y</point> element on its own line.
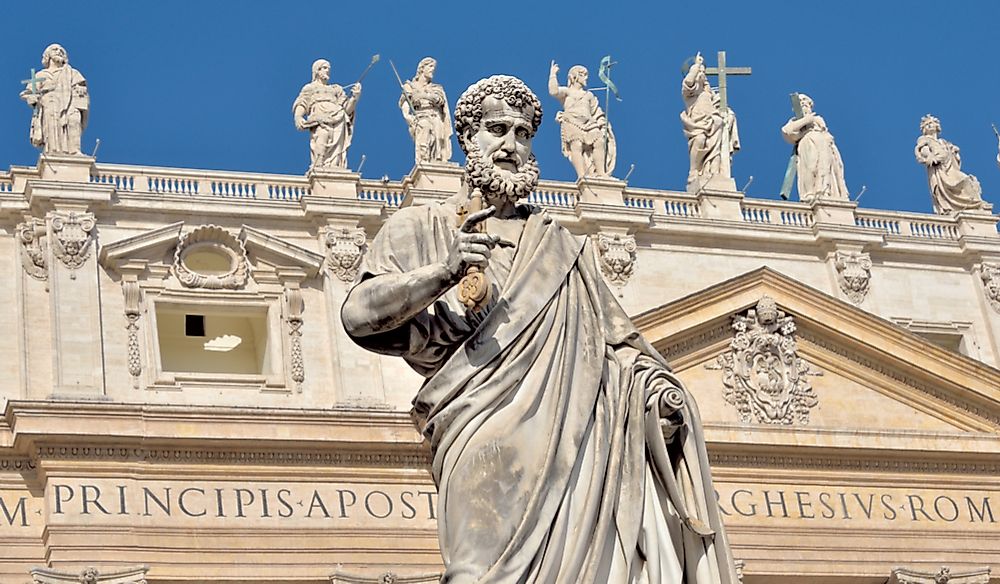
<point>587,139</point>
<point>327,112</point>
<point>545,410</point>
<point>951,189</point>
<point>425,109</point>
<point>711,130</point>
<point>60,103</point>
<point>819,167</point>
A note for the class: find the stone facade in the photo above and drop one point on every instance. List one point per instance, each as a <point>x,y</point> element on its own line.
<point>277,451</point>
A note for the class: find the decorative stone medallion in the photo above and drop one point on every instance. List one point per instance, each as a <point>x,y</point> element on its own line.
<point>345,248</point>
<point>990,274</point>
<point>854,272</point>
<point>617,256</point>
<point>762,374</point>
<point>211,257</point>
<point>72,233</point>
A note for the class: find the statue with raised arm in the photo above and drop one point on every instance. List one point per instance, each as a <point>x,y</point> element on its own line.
<point>587,140</point>
<point>951,189</point>
<point>425,109</point>
<point>328,113</point>
<point>819,166</point>
<point>58,95</point>
<point>710,130</point>
<point>563,448</point>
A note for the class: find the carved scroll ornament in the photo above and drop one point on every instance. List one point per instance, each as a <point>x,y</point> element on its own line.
<point>72,234</point>
<point>33,246</point>
<point>763,376</point>
<point>90,575</point>
<point>617,256</point>
<point>990,275</point>
<point>345,249</point>
<point>854,272</point>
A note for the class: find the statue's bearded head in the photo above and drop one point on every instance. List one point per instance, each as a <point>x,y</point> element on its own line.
<point>54,53</point>
<point>577,75</point>
<point>321,70</point>
<point>496,119</point>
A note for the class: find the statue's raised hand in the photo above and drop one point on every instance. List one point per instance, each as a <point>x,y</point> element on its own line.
<point>470,246</point>
<point>553,68</point>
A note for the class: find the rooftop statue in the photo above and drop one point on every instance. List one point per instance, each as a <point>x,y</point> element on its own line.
<point>328,113</point>
<point>819,166</point>
<point>587,139</point>
<point>425,109</point>
<point>58,95</point>
<point>710,128</point>
<point>564,449</point>
<point>951,189</point>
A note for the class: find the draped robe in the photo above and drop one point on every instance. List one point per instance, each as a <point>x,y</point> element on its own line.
<point>551,465</point>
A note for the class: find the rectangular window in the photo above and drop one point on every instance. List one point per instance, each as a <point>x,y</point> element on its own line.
<point>212,340</point>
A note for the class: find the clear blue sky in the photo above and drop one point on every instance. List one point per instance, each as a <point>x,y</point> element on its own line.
<point>210,84</point>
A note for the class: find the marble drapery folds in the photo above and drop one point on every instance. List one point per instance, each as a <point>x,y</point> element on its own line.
<point>543,413</point>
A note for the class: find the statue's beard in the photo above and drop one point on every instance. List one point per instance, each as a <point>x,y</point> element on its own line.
<point>497,183</point>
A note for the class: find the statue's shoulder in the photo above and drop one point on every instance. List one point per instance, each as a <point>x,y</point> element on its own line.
<point>421,218</point>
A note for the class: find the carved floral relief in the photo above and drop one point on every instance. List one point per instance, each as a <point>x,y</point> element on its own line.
<point>854,273</point>
<point>763,376</point>
<point>617,257</point>
<point>345,248</point>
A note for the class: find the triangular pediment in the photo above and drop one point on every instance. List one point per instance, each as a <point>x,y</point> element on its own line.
<point>157,246</point>
<point>866,372</point>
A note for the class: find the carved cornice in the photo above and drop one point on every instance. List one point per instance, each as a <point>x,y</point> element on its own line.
<point>888,464</point>
<point>882,367</point>
<point>959,381</point>
<point>384,578</point>
<point>388,456</point>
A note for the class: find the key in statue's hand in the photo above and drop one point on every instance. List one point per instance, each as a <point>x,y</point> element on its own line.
<point>471,247</point>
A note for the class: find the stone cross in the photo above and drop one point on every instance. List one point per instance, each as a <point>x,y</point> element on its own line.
<point>722,71</point>
<point>786,184</point>
<point>33,82</point>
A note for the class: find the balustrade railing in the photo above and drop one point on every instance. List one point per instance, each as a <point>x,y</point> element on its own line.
<point>167,181</point>
<point>908,224</point>
<point>6,183</point>
<point>389,194</point>
<point>677,205</point>
<point>554,194</point>
<point>776,213</point>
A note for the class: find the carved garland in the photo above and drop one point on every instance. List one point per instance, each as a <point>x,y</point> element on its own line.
<point>764,377</point>
<point>295,306</point>
<point>854,272</point>
<point>73,236</point>
<point>346,247</point>
<point>219,240</point>
<point>990,275</point>
<point>617,256</point>
<point>130,289</point>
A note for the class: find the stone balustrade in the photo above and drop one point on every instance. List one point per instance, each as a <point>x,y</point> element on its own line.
<point>562,196</point>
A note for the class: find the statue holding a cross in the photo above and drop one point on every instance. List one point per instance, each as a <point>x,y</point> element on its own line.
<point>709,125</point>
<point>58,95</point>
